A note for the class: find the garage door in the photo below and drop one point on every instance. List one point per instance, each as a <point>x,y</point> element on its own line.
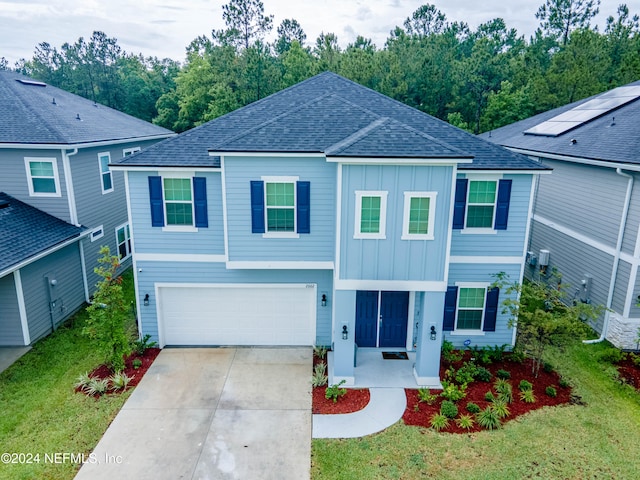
<point>256,314</point>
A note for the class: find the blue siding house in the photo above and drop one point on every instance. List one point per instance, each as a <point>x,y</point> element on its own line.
<point>327,214</point>
<point>55,149</point>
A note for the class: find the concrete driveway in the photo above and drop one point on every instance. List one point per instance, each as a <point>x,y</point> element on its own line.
<point>213,413</point>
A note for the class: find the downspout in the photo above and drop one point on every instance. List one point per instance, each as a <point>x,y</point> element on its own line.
<point>616,258</point>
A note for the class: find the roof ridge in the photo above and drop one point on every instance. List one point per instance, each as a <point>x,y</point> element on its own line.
<point>270,121</point>
<point>354,137</point>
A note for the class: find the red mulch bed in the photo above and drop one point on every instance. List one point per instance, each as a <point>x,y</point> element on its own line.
<point>354,400</point>
<point>629,372</point>
<point>135,374</point>
<point>477,390</point>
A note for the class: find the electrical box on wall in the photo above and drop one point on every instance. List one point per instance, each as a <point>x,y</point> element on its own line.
<point>532,260</point>
<point>543,258</point>
<point>585,291</point>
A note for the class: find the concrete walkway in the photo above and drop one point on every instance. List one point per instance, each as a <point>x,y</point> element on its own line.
<point>385,408</point>
<point>219,413</point>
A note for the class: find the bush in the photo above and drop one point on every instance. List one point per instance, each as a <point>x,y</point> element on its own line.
<point>449,355</point>
<point>451,391</point>
<point>137,363</point>
<point>551,391</point>
<point>504,390</point>
<point>473,408</point>
<point>82,381</point>
<point>119,381</point>
<point>319,377</point>
<point>439,422</point>
<point>611,355</point>
<point>488,419</point>
<point>465,421</point>
<point>483,375</point>
<point>503,374</point>
<point>547,367</point>
<point>527,396</point>
<point>320,352</point>
<point>496,353</point>
<point>466,373</point>
<point>143,344</point>
<point>96,386</point>
<point>425,395</point>
<point>489,396</point>
<point>525,385</point>
<point>449,409</point>
<point>501,409</point>
<point>334,392</point>
<point>564,383</point>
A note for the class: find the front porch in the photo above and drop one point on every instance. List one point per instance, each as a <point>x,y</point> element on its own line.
<point>372,370</point>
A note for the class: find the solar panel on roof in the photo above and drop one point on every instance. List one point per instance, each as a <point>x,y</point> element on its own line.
<point>24,81</point>
<point>586,111</point>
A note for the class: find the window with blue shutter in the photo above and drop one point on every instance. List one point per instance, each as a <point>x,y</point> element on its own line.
<point>491,310</point>
<point>450,300</point>
<point>155,198</point>
<point>502,204</point>
<point>257,206</point>
<point>460,203</point>
<point>277,213</point>
<point>200,201</point>
<point>303,207</point>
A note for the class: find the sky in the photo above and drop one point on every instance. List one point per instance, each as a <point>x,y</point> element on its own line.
<point>163,28</point>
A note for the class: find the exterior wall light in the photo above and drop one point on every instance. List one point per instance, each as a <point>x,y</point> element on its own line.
<point>345,333</point>
<point>146,300</point>
<point>324,299</point>
<point>432,334</point>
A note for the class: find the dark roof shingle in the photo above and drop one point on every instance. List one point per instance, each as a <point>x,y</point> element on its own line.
<point>26,231</point>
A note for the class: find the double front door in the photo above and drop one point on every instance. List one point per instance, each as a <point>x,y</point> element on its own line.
<point>381,318</point>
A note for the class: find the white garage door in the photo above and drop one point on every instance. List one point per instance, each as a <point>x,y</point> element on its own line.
<point>256,314</point>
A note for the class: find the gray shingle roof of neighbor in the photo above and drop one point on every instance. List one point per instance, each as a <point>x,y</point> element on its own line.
<point>26,231</point>
<point>328,114</point>
<point>36,113</point>
<point>612,137</point>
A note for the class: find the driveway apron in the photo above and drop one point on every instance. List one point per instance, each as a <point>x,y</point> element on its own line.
<point>213,413</point>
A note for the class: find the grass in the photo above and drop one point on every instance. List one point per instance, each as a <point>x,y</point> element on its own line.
<point>40,413</point>
<point>598,440</point>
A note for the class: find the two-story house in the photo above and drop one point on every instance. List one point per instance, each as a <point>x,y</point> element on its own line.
<point>327,214</point>
<point>55,150</point>
<point>586,218</point>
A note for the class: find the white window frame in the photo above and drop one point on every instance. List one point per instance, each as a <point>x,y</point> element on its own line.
<point>481,230</point>
<point>382,233</point>
<point>129,151</point>
<point>186,175</point>
<point>127,241</point>
<point>103,173</point>
<point>408,196</point>
<point>97,233</point>
<point>281,179</point>
<point>461,285</point>
<point>54,162</point>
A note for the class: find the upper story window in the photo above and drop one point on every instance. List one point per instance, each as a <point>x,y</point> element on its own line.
<point>371,214</point>
<point>105,173</point>
<point>123,239</point>
<point>419,215</point>
<point>42,177</point>
<point>178,202</point>
<point>481,204</point>
<point>280,207</point>
<point>130,151</point>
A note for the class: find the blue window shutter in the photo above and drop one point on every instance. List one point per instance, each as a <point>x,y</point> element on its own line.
<point>200,201</point>
<point>155,197</point>
<point>257,206</point>
<point>460,203</point>
<point>491,310</point>
<point>450,301</point>
<point>502,205</point>
<point>303,194</point>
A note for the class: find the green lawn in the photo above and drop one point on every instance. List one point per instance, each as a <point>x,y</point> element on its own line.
<point>39,411</point>
<point>599,440</point>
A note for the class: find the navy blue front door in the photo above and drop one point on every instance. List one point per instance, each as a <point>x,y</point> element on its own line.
<point>381,318</point>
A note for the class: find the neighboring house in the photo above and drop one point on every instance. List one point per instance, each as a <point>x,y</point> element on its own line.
<point>587,214</point>
<point>327,214</point>
<point>55,150</point>
<point>40,266</point>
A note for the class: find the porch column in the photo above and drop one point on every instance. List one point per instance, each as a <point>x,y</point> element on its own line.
<point>344,314</point>
<point>427,367</point>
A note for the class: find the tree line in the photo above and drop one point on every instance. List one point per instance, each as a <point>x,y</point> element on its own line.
<point>475,79</point>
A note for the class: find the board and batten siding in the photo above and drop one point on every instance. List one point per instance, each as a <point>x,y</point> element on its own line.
<point>509,242</point>
<point>14,181</point>
<point>318,245</point>
<point>463,272</point>
<point>63,265</point>
<point>393,258</point>
<point>10,325</point>
<point>206,241</point>
<point>573,259</point>
<point>588,200</point>
<point>212,273</point>
<point>632,228</point>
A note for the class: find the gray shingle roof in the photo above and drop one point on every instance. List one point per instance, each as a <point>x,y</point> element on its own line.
<point>30,116</point>
<point>598,139</point>
<point>26,231</point>
<point>320,114</point>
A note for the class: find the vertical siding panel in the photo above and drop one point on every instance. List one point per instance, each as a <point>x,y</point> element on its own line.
<point>10,326</point>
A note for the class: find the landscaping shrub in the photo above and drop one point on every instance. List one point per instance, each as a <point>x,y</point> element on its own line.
<point>483,375</point>
<point>141,345</point>
<point>449,409</point>
<point>319,377</point>
<point>465,421</point>
<point>119,381</point>
<point>451,391</point>
<point>496,353</point>
<point>611,355</point>
<point>525,385</point>
<point>488,419</point>
<point>439,422</point>
<point>547,367</point>
<point>425,395</point>
<point>500,408</point>
<point>473,408</point>
<point>334,392</point>
<point>489,396</point>
<point>527,396</point>
<point>551,391</point>
<point>564,383</point>
<point>465,374</point>
<point>503,374</point>
<point>449,354</point>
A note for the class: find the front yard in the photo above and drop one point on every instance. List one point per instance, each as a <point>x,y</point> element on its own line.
<point>598,440</point>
